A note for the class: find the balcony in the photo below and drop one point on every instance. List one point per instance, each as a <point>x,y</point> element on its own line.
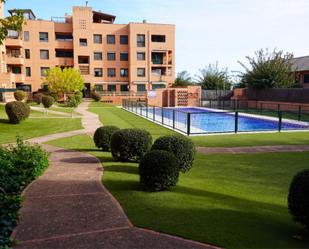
<point>14,60</point>
<point>66,62</point>
<point>19,78</point>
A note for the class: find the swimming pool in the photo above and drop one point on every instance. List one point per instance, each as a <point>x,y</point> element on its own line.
<point>194,121</point>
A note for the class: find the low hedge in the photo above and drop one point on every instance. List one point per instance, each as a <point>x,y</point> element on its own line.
<point>47,101</point>
<point>182,148</point>
<point>20,165</point>
<point>102,137</point>
<point>130,145</point>
<point>96,97</point>
<point>19,95</point>
<point>17,111</point>
<point>298,198</point>
<point>158,171</point>
<point>75,100</point>
<point>37,97</point>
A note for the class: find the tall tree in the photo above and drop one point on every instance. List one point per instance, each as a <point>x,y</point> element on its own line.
<point>214,78</point>
<point>183,79</point>
<point>68,80</point>
<point>268,70</point>
<point>14,22</point>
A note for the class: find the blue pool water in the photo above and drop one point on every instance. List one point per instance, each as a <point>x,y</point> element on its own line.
<point>205,121</point>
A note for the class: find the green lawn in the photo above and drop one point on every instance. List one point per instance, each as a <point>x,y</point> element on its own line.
<point>232,201</point>
<point>111,115</point>
<point>35,127</point>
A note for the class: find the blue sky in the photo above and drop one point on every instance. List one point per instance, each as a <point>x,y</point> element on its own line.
<point>207,30</point>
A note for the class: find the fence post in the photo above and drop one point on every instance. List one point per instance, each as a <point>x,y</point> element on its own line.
<point>141,110</point>
<point>210,103</point>
<point>146,110</point>
<point>299,113</point>
<point>188,124</point>
<point>261,108</point>
<point>162,114</point>
<point>280,121</point>
<point>154,113</point>
<point>136,108</point>
<point>236,122</point>
<point>174,119</point>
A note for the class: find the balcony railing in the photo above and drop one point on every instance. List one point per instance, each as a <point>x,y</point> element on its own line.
<point>127,93</point>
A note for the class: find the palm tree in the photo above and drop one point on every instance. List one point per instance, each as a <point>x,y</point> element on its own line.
<point>183,79</point>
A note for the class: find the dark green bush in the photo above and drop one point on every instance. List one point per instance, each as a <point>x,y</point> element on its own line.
<point>182,148</point>
<point>17,111</point>
<point>19,95</point>
<point>298,198</point>
<point>130,144</point>
<point>74,100</point>
<point>19,165</point>
<point>102,137</point>
<point>96,96</point>
<point>37,98</point>
<point>47,101</point>
<point>158,170</point>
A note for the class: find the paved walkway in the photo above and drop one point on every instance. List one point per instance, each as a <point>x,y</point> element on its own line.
<point>254,149</point>
<point>68,207</point>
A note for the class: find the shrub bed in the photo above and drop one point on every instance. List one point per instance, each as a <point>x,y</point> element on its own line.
<point>182,148</point>
<point>130,145</point>
<point>19,165</point>
<point>17,111</point>
<point>37,98</point>
<point>19,95</point>
<point>102,137</point>
<point>298,198</point>
<point>75,100</point>
<point>47,101</point>
<point>158,171</point>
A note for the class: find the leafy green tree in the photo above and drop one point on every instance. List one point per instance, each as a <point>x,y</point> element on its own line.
<point>214,78</point>
<point>268,70</point>
<point>183,79</point>
<point>14,22</point>
<point>68,80</point>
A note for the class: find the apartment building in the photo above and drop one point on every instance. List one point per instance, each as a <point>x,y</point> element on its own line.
<point>120,58</point>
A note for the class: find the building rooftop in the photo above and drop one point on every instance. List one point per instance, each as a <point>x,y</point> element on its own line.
<point>301,64</point>
<point>99,17</point>
<point>28,13</point>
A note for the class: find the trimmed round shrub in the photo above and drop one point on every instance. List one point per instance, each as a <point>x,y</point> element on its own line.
<point>19,95</point>
<point>182,148</point>
<point>130,145</point>
<point>37,98</point>
<point>298,198</point>
<point>102,137</point>
<point>158,171</point>
<point>96,96</point>
<point>47,101</point>
<point>17,111</point>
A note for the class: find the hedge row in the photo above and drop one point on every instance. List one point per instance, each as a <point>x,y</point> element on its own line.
<point>19,166</point>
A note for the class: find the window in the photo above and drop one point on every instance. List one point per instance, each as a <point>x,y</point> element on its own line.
<point>124,72</point>
<point>124,88</point>
<point>141,87</point>
<point>306,78</point>
<point>111,72</point>
<point>97,39</point>
<point>124,56</point>
<point>141,72</point>
<point>111,56</point>
<point>64,54</point>
<point>111,88</point>
<point>98,87</point>
<point>141,56</point>
<point>44,71</point>
<point>44,54</point>
<point>23,87</point>
<point>16,70</point>
<point>28,71</point>
<point>83,59</point>
<point>64,37</point>
<point>27,53</point>
<point>97,56</point>
<point>141,40</point>
<point>158,86</point>
<point>43,37</point>
<point>26,36</point>
<point>158,38</point>
<point>83,42</point>
<point>111,39</point>
<point>98,72</point>
<point>124,39</point>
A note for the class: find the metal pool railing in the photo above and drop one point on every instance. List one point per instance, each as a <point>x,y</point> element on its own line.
<point>199,121</point>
